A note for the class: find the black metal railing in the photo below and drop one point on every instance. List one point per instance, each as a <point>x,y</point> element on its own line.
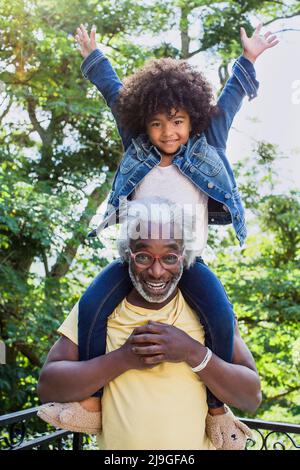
<point>269,435</point>
<point>16,434</point>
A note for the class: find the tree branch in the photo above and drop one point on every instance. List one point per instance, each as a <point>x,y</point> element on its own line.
<point>28,352</point>
<point>7,109</point>
<point>297,13</point>
<point>45,262</point>
<point>66,257</point>
<point>251,322</point>
<point>33,119</point>
<point>280,395</point>
<point>274,1</point>
<point>191,54</point>
<point>286,29</point>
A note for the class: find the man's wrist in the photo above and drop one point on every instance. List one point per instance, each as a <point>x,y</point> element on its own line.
<point>122,359</point>
<point>196,354</point>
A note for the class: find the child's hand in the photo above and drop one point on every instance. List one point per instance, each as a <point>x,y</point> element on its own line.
<point>257,44</point>
<point>86,43</point>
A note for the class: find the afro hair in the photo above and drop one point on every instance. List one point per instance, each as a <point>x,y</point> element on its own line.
<point>160,86</point>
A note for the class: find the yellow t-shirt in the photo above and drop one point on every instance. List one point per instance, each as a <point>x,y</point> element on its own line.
<point>160,408</point>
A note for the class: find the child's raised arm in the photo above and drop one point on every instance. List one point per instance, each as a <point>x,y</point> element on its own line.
<point>98,69</point>
<point>256,44</point>
<point>242,82</point>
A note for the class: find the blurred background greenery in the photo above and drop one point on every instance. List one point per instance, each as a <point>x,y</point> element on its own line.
<point>59,149</point>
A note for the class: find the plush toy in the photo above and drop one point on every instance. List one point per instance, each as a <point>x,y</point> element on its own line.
<point>226,432</point>
<point>71,416</point>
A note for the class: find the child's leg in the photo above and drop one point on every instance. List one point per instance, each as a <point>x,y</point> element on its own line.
<point>100,299</point>
<point>205,294</point>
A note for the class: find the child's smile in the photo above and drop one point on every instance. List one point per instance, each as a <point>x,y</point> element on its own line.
<point>169,133</point>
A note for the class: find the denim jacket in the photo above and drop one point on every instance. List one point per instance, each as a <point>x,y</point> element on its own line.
<point>202,159</point>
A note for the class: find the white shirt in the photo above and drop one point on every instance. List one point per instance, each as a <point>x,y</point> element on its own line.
<point>169,183</point>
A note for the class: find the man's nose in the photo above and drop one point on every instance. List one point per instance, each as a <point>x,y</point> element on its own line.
<point>156,270</point>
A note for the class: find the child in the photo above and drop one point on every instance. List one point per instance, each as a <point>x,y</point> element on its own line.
<point>174,141</point>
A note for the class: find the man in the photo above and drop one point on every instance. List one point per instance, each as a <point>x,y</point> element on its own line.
<point>153,399</point>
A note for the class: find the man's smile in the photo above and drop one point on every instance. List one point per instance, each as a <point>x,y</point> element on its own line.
<point>156,287</point>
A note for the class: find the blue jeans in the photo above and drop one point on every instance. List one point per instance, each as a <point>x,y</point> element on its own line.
<point>201,289</point>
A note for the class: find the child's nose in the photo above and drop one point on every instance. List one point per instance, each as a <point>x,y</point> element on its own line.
<point>167,129</point>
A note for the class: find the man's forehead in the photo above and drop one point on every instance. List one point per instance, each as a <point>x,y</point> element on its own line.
<point>160,244</point>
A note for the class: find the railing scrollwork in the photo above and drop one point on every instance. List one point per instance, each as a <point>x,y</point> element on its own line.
<point>15,435</point>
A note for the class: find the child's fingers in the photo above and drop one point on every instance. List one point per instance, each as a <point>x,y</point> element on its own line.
<point>79,40</point>
<point>82,29</point>
<point>273,43</point>
<point>257,29</point>
<point>271,39</point>
<point>79,34</point>
<point>267,34</point>
<point>93,36</point>
<point>85,35</point>
<point>243,34</point>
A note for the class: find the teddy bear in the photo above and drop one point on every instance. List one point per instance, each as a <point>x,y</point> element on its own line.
<point>226,431</point>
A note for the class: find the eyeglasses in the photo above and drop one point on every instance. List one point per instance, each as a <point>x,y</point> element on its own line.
<point>146,260</point>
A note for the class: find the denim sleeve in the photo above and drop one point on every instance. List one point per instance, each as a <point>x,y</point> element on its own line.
<point>241,83</point>
<point>97,68</point>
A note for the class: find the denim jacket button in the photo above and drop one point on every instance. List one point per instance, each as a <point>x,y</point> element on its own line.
<point>210,185</point>
<point>227,196</point>
<point>192,169</point>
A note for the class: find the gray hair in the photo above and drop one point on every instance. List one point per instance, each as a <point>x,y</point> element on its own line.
<point>138,215</point>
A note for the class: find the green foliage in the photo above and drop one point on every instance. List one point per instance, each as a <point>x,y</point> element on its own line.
<point>59,149</point>
<point>262,281</point>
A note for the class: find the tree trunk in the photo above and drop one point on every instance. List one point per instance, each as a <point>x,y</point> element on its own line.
<point>184,32</point>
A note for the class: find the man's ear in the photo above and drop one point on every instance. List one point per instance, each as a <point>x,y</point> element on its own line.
<point>126,256</point>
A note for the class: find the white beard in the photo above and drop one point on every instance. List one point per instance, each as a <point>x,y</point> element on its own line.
<point>155,298</point>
